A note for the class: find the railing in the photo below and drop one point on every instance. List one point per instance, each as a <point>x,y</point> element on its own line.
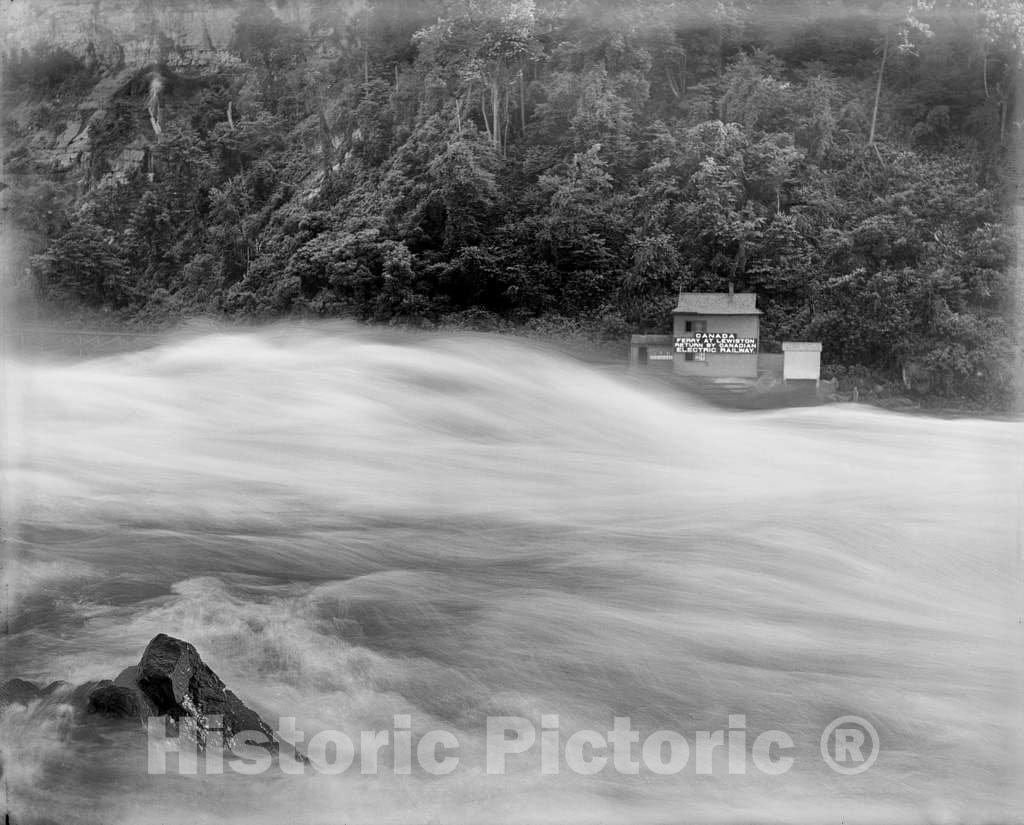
<point>38,340</point>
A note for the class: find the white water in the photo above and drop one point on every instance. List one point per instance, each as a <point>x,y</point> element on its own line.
<point>350,526</point>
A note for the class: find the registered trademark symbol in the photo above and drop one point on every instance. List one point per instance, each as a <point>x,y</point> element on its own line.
<point>850,745</point>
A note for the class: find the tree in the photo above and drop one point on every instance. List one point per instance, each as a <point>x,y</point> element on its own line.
<point>84,265</point>
<point>464,189</point>
<point>275,49</point>
<point>898,23</point>
<point>479,48</point>
<point>1000,26</point>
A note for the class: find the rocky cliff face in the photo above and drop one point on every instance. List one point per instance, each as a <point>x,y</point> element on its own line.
<point>178,33</point>
<point>128,49</point>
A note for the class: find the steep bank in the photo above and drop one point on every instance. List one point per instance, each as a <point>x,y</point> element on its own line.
<point>499,164</point>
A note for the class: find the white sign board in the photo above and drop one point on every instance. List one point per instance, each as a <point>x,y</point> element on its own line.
<point>726,343</point>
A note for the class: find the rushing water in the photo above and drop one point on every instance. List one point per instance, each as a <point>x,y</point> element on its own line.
<point>351,526</point>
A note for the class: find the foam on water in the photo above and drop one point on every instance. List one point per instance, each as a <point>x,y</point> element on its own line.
<point>350,526</point>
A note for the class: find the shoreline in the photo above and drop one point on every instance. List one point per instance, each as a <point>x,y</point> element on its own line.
<point>82,336</point>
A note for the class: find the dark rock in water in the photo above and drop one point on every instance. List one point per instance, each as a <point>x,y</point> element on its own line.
<point>18,692</point>
<point>170,681</point>
<point>21,692</point>
<point>178,683</point>
<point>53,687</point>
<point>78,698</point>
<point>118,701</point>
<point>129,677</point>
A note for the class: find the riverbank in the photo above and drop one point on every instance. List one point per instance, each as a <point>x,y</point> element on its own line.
<point>91,334</point>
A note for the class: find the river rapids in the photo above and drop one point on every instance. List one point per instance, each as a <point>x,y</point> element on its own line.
<point>373,532</point>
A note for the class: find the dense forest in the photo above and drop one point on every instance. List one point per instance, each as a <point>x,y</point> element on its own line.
<point>558,164</point>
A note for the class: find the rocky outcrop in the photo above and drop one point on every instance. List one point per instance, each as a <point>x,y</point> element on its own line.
<point>171,680</point>
<point>18,692</point>
<point>111,33</point>
<point>77,131</point>
<point>22,692</point>
<point>177,682</point>
<point>120,701</point>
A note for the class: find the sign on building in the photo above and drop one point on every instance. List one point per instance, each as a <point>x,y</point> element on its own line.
<point>727,343</point>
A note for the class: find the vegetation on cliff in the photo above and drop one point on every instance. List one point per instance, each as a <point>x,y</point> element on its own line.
<point>491,162</point>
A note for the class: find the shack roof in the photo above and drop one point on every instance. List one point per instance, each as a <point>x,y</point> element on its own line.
<point>717,303</point>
